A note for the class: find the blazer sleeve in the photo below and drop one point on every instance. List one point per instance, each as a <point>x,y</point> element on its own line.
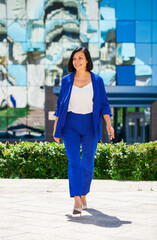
<point>105,108</point>
<point>59,98</point>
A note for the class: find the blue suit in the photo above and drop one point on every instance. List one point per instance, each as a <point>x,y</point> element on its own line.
<point>81,129</point>
<point>100,103</point>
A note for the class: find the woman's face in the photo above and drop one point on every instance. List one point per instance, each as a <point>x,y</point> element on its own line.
<point>80,61</point>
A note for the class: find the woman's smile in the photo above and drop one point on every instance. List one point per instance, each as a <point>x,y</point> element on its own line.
<point>79,60</point>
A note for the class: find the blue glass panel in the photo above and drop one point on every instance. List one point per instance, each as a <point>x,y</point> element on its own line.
<point>107,9</point>
<point>143,31</point>
<point>143,75</point>
<point>143,53</point>
<point>107,31</point>
<point>107,3</point>
<point>125,75</point>
<point>125,31</point>
<point>154,7</point>
<point>154,31</point>
<point>154,53</point>
<point>143,9</point>
<point>154,76</point>
<point>108,75</point>
<point>125,10</point>
<point>125,53</point>
<point>17,74</point>
<point>17,30</point>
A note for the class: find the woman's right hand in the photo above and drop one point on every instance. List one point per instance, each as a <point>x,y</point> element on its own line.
<point>54,129</point>
<point>56,139</point>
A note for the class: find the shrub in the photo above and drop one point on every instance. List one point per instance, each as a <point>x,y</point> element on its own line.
<point>48,160</point>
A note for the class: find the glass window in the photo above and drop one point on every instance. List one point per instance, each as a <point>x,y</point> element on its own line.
<point>35,31</point>
<point>3,9</point>
<point>53,30</point>
<point>154,7</point>
<point>125,10</point>
<point>3,111</point>
<point>3,128</point>
<point>35,75</point>
<point>107,53</point>
<point>107,31</point>
<point>125,75</point>
<point>107,3</point>
<point>125,53</point>
<point>17,127</point>
<point>108,73</point>
<point>143,75</point>
<point>143,31</point>
<point>37,126</point>
<point>3,53</point>
<point>17,112</point>
<point>154,54</point>
<point>96,67</point>
<point>3,100</point>
<point>94,49</point>
<point>36,112</point>
<point>125,31</point>
<point>17,97</point>
<point>16,30</point>
<point>91,12</point>
<point>154,76</point>
<point>143,9</point>
<point>35,9</point>
<point>3,30</point>
<point>36,97</point>
<point>89,31</point>
<point>143,53</point>
<point>154,31</point>
<point>3,123</point>
<point>107,9</point>
<point>17,74</point>
<point>17,53</point>
<point>16,9</point>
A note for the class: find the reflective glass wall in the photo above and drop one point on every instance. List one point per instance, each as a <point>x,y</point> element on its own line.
<point>38,36</point>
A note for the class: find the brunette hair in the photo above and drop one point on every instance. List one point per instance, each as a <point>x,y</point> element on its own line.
<point>88,57</point>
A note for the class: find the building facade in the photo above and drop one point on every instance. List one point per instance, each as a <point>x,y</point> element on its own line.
<point>36,40</point>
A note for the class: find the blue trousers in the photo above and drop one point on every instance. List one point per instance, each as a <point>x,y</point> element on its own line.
<point>79,131</point>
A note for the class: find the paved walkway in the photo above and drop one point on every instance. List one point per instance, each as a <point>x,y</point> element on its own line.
<point>42,210</point>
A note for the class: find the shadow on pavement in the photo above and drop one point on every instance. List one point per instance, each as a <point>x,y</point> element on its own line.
<point>97,218</point>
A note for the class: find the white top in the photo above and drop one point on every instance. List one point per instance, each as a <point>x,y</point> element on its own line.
<point>81,99</point>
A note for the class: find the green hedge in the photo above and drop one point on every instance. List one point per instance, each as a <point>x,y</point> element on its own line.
<point>48,160</point>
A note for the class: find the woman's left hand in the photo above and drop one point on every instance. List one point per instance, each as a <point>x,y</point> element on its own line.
<point>110,131</point>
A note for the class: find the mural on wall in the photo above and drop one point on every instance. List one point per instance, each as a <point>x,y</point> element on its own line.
<point>36,40</point>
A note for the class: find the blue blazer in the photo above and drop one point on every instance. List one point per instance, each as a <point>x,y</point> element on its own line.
<point>100,103</point>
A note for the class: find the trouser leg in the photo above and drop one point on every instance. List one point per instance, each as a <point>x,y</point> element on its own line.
<point>89,145</point>
<point>72,142</point>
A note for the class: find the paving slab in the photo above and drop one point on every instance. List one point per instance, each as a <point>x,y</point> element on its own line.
<point>36,209</point>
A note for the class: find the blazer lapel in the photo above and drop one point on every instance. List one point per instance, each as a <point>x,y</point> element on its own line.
<point>95,91</point>
<point>69,84</point>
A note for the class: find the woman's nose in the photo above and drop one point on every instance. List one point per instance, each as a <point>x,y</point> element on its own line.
<point>77,60</point>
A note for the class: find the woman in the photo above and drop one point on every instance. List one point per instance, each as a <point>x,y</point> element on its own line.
<point>81,104</point>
